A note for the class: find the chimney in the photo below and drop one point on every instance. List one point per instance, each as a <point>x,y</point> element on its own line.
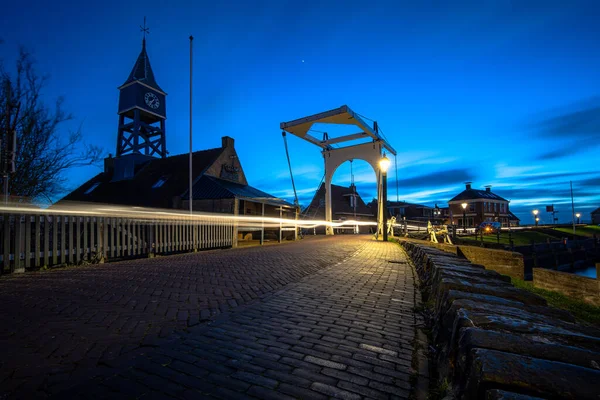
<point>226,141</point>
<point>488,188</point>
<point>468,185</point>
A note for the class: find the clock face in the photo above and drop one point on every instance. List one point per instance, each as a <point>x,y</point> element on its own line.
<point>152,100</point>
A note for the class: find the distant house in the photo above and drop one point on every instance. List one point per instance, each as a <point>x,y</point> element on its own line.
<point>596,216</point>
<point>346,204</point>
<point>410,211</point>
<point>513,219</point>
<point>482,205</point>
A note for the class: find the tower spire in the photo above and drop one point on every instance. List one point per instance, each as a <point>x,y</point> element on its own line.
<point>146,30</point>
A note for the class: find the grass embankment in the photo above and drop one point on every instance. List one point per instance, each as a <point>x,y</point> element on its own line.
<point>524,237</point>
<point>581,310</point>
<point>519,238</point>
<point>587,230</point>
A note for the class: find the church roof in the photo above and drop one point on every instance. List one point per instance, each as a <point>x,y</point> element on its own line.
<point>209,187</point>
<point>142,71</point>
<point>145,188</point>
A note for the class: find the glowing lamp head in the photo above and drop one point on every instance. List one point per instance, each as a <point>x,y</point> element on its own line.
<point>464,206</point>
<point>537,219</point>
<point>384,163</point>
<point>535,212</point>
<point>578,215</point>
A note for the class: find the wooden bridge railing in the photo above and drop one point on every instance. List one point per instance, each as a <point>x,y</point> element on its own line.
<point>31,241</point>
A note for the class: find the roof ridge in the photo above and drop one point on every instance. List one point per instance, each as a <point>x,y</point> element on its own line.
<point>195,152</point>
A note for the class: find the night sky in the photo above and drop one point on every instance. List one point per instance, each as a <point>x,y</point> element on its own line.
<point>501,93</point>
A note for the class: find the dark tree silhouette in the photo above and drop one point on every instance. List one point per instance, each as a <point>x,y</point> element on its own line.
<point>44,153</point>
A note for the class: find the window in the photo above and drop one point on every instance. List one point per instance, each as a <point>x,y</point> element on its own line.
<point>471,207</point>
<point>160,182</point>
<point>91,189</point>
<point>352,201</point>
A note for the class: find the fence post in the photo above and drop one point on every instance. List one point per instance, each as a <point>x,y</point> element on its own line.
<point>38,235</point>
<point>18,245</point>
<point>27,249</point>
<point>151,228</point>
<point>102,239</point>
<point>6,256</point>
<point>236,213</point>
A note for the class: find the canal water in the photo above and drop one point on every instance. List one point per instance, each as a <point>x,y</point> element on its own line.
<point>590,272</point>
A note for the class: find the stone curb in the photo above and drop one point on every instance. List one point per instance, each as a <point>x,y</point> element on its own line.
<point>494,341</point>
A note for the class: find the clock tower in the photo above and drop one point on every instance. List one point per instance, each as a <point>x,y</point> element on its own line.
<point>142,112</point>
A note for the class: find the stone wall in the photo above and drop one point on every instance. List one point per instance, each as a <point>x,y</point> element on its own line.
<point>579,287</point>
<point>505,262</point>
<point>491,340</point>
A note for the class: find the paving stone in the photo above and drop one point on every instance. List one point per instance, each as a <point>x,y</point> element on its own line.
<point>300,392</point>
<point>325,363</point>
<point>334,391</point>
<point>321,320</point>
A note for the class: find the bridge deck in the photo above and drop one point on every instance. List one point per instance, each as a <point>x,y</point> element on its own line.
<point>327,316</point>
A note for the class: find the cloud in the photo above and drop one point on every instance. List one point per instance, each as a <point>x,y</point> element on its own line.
<point>580,119</point>
<point>570,148</point>
<point>302,170</point>
<point>446,177</point>
<point>553,176</point>
<point>511,171</point>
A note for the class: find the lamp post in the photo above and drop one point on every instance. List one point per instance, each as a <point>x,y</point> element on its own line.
<point>384,164</point>
<point>436,213</point>
<point>535,213</point>
<point>464,207</point>
<point>578,215</point>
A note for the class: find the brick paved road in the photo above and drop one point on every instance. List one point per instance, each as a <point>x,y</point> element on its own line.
<point>322,317</point>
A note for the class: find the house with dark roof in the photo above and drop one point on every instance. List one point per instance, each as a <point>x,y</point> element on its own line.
<point>595,216</point>
<point>481,205</point>
<point>410,211</point>
<point>346,204</point>
<point>142,174</point>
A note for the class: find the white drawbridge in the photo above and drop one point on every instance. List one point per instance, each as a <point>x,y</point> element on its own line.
<point>369,146</point>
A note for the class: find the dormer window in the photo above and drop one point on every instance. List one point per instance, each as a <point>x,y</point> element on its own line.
<point>92,188</point>
<point>160,182</point>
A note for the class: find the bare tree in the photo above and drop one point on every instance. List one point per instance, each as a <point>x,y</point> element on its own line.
<point>43,154</point>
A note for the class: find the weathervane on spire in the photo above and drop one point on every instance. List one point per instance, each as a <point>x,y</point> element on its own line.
<point>144,29</point>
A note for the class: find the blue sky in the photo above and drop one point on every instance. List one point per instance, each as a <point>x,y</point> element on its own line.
<point>502,93</point>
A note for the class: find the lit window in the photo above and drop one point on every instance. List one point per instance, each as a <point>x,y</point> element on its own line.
<point>160,182</point>
<point>91,189</point>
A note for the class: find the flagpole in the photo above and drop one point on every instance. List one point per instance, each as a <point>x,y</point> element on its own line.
<point>572,208</point>
<point>190,182</point>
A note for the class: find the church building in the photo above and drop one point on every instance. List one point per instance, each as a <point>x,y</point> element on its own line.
<point>142,174</point>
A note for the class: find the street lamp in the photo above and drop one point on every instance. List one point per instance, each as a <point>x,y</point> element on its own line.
<point>464,207</point>
<point>384,164</point>
<point>436,213</point>
<point>535,213</point>
<point>578,215</point>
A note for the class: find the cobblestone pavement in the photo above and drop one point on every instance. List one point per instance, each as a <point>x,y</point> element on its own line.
<point>326,317</point>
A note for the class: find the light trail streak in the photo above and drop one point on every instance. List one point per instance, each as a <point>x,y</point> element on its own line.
<point>148,214</point>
